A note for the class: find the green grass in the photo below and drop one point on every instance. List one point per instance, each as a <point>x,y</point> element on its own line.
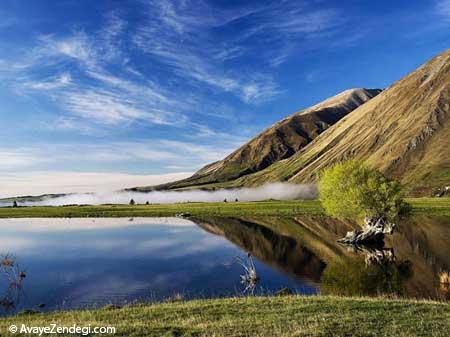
<point>259,316</point>
<point>429,206</point>
<point>432,206</point>
<point>214,208</point>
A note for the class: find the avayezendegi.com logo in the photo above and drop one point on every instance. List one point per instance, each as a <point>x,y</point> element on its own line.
<point>56,329</point>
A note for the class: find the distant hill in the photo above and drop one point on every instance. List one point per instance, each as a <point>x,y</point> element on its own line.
<point>280,141</point>
<point>33,198</point>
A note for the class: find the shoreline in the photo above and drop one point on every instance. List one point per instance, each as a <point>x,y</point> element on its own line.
<point>428,206</point>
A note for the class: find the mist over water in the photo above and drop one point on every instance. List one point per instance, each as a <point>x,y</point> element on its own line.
<point>279,191</point>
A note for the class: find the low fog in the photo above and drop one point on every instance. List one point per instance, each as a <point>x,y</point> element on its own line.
<point>280,191</point>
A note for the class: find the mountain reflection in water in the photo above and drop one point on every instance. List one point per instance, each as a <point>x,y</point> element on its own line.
<point>408,265</point>
<point>72,263</point>
<point>277,250</point>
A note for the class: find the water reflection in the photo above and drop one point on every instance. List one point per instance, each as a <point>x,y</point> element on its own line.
<point>12,277</point>
<point>280,251</point>
<point>74,263</point>
<point>410,263</point>
<point>444,280</point>
<point>91,262</point>
<point>377,273</point>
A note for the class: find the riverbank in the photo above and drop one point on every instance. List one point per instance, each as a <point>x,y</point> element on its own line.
<point>259,316</point>
<point>429,206</point>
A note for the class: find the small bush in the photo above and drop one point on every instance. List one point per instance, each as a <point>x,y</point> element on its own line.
<point>352,190</point>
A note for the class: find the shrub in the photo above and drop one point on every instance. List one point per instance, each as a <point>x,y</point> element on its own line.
<point>352,190</point>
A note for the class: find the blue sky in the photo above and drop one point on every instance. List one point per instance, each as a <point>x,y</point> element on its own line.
<point>136,91</point>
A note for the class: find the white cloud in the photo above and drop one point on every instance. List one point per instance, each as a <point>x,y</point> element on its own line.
<point>97,96</point>
<point>69,123</point>
<point>109,100</point>
<point>259,91</point>
<point>19,158</point>
<point>150,90</point>
<point>182,40</point>
<point>109,37</point>
<point>203,153</point>
<point>75,224</point>
<point>228,53</point>
<point>75,48</point>
<point>33,156</point>
<point>109,106</point>
<point>102,106</point>
<point>182,36</point>
<point>443,9</point>
<point>298,20</point>
<point>78,46</point>
<point>182,60</point>
<point>55,82</point>
<point>149,153</point>
<point>97,86</point>
<point>91,80</point>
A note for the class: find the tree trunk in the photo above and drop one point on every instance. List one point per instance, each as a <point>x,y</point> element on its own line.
<point>373,232</point>
<point>374,254</point>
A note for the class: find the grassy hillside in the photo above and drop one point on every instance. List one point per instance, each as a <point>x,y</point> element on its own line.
<point>259,316</point>
<point>404,132</point>
<point>429,206</point>
<point>278,142</point>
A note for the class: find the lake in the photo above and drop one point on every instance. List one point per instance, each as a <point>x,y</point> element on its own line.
<point>78,263</point>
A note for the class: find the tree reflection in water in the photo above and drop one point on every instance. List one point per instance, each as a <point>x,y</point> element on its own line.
<point>306,248</point>
<point>374,272</point>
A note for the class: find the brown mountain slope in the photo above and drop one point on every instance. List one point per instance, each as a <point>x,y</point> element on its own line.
<point>280,141</point>
<point>404,131</point>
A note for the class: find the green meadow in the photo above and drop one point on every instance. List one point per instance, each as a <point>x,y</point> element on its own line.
<point>429,206</point>
<point>258,316</point>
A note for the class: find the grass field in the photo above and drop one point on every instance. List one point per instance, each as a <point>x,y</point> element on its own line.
<point>259,316</point>
<point>429,206</point>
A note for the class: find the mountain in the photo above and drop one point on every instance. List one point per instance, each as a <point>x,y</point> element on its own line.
<point>280,141</point>
<point>404,132</point>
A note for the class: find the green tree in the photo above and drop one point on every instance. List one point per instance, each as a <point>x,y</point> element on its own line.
<point>352,190</point>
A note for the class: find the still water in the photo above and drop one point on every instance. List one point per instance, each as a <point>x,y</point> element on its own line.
<point>72,263</point>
